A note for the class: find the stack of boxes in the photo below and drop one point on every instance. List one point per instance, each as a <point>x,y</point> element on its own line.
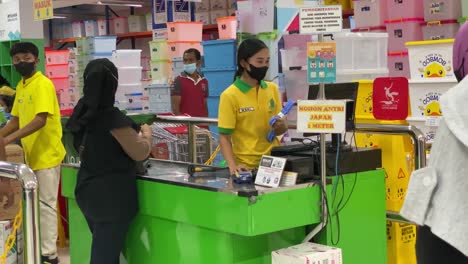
<point>220,68</point>
<point>403,25</point>
<point>159,91</point>
<point>57,69</point>
<point>441,18</point>
<point>130,91</point>
<point>207,11</point>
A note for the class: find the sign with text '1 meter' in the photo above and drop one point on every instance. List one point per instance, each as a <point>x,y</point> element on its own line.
<point>320,20</point>
<point>321,116</point>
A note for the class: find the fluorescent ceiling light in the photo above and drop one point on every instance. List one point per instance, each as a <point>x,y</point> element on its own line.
<point>59,17</point>
<point>120,3</point>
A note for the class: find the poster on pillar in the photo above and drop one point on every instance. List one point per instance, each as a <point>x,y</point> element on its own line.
<point>43,10</point>
<point>321,62</point>
<point>9,21</point>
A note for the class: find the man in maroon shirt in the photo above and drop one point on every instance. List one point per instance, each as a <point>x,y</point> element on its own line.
<point>190,88</point>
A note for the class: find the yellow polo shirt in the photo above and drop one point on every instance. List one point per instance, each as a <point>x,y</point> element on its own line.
<point>245,114</point>
<point>43,149</point>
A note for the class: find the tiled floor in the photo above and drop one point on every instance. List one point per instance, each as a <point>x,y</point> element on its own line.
<point>64,255</point>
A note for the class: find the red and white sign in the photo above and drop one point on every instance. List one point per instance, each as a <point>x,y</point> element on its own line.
<point>390,98</point>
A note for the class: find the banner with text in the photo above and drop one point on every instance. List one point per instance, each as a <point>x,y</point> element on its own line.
<point>321,116</point>
<point>43,10</point>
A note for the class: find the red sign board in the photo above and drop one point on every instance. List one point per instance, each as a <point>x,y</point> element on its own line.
<point>390,98</point>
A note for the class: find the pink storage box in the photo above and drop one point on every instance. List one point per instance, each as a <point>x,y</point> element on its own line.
<point>177,49</point>
<point>78,29</point>
<point>102,27</point>
<point>377,29</point>
<point>401,31</point>
<point>185,31</point>
<point>61,84</point>
<point>436,30</point>
<point>119,25</point>
<point>398,64</point>
<point>57,71</point>
<point>227,27</point>
<point>438,10</point>
<point>404,8</point>
<point>57,57</point>
<point>369,13</point>
<point>296,41</point>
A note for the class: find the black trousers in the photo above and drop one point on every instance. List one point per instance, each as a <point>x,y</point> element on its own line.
<point>108,241</point>
<point>430,249</point>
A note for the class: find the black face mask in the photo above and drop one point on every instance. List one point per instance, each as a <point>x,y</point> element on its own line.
<point>25,68</point>
<point>257,73</point>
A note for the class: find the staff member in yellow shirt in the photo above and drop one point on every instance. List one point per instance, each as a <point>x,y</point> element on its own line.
<point>36,121</point>
<point>246,108</point>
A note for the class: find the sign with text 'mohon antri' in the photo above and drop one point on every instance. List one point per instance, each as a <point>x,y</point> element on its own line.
<point>321,116</point>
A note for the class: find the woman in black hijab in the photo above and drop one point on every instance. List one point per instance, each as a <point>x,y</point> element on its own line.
<point>109,144</point>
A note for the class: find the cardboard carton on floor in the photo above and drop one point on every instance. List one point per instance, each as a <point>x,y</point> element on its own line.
<point>6,227</point>
<point>10,189</point>
<point>307,253</point>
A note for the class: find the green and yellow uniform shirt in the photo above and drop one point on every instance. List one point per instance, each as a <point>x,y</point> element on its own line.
<point>245,114</point>
<point>43,149</point>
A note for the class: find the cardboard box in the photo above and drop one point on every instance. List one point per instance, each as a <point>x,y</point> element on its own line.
<point>307,253</point>
<point>203,17</point>
<point>218,4</point>
<point>170,11</point>
<point>10,189</point>
<point>214,15</point>
<point>137,23</point>
<point>203,6</point>
<point>6,227</point>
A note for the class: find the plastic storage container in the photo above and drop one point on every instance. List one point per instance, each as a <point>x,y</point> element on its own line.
<point>185,31</point>
<point>436,30</point>
<point>161,71</point>
<point>129,75</point>
<point>369,13</point>
<point>102,27</point>
<point>57,71</point>
<point>177,49</point>
<point>296,41</point>
<point>376,29</point>
<point>425,97</point>
<point>431,60</point>
<point>227,27</point>
<point>91,28</point>
<point>361,51</point>
<point>203,17</point>
<point>159,98</point>
<point>218,4</point>
<point>119,25</point>
<point>422,124</point>
<point>401,31</point>
<point>126,58</point>
<point>177,66</point>
<point>219,79</point>
<point>137,23</point>
<point>296,85</point>
<point>256,16</point>
<point>355,75</point>
<point>404,8</point>
<point>82,46</point>
<point>216,49</point>
<point>57,57</point>
<point>293,58</point>
<point>96,56</point>
<point>398,64</point>
<point>102,44</point>
<point>159,50</point>
<point>78,29</point>
<point>438,10</point>
<point>61,84</point>
<point>344,3</point>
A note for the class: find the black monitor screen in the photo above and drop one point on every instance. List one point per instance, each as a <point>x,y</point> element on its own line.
<point>339,91</point>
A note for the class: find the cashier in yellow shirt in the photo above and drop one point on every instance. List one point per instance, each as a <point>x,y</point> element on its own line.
<point>245,110</point>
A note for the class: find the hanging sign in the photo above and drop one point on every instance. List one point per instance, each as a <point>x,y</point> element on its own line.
<point>321,116</point>
<point>320,20</point>
<point>321,62</point>
<point>43,10</point>
<point>390,98</point>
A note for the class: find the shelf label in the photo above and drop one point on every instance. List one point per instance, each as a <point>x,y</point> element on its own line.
<point>320,20</point>
<point>43,10</point>
<point>321,62</point>
<point>321,116</point>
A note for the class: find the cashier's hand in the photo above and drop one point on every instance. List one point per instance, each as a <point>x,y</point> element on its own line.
<point>238,168</point>
<point>280,126</point>
<point>146,131</point>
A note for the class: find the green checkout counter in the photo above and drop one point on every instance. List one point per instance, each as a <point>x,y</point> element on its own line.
<point>209,219</point>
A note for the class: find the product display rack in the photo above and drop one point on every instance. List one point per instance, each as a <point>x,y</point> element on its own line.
<point>7,69</point>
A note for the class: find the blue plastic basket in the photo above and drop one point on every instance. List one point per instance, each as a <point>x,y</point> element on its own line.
<point>213,104</point>
<point>220,53</point>
<point>219,79</point>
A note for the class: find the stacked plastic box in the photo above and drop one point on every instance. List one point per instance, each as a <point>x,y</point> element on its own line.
<point>207,11</point>
<point>57,69</point>
<point>370,13</point>
<point>220,68</point>
<point>404,25</point>
<point>441,18</point>
<point>129,94</point>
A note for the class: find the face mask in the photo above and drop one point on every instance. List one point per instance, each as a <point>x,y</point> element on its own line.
<point>257,73</point>
<point>25,68</point>
<point>190,68</point>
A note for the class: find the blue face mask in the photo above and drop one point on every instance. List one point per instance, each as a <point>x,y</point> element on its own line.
<point>190,68</point>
